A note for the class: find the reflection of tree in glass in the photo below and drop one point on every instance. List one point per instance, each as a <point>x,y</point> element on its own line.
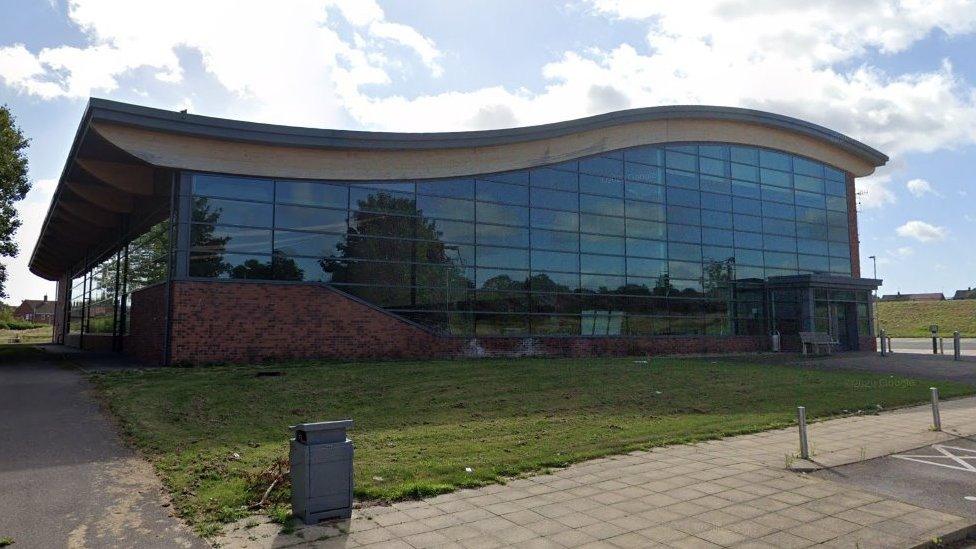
<point>148,255</point>
<point>392,229</point>
<point>663,286</point>
<point>717,275</point>
<point>205,216</point>
<point>280,267</point>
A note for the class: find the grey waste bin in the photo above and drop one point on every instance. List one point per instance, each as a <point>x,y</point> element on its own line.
<point>321,471</point>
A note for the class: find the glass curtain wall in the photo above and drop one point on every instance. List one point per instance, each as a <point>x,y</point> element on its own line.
<point>657,240</point>
<point>96,307</point>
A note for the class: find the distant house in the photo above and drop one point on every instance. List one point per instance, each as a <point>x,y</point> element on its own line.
<point>914,297</point>
<point>968,293</point>
<point>38,311</point>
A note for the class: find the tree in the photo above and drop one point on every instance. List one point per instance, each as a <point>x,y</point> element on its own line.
<point>13,185</point>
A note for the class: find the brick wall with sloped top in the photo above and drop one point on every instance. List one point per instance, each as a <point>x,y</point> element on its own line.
<point>251,322</point>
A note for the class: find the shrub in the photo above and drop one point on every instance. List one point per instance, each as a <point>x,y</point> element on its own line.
<point>15,324</point>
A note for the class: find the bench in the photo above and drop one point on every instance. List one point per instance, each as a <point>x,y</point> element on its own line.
<point>819,342</point>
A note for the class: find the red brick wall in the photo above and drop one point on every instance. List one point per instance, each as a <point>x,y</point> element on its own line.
<point>247,322</point>
<point>147,324</point>
<point>867,343</point>
<point>852,228</point>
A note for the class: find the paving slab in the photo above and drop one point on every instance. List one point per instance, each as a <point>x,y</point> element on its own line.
<point>735,492</point>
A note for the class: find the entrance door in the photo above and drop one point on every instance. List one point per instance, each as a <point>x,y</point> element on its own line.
<point>838,324</point>
<point>843,325</point>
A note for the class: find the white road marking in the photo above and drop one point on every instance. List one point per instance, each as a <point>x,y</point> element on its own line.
<point>969,498</point>
<point>952,460</point>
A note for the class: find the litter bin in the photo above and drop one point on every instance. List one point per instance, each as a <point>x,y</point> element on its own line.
<point>775,341</point>
<point>321,471</point>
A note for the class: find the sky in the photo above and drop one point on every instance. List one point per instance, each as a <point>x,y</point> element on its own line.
<point>899,76</point>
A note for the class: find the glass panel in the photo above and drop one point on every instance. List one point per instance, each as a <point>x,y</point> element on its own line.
<point>554,179</point>
<point>497,213</point>
<point>454,188</point>
<point>228,186</point>
<point>601,244</point>
<point>503,235</point>
<point>232,212</point>
<point>448,208</point>
<point>311,219</point>
<point>312,193</point>
<point>601,185</point>
<point>555,240</point>
<point>601,205</point>
<point>501,192</point>
<point>645,155</point>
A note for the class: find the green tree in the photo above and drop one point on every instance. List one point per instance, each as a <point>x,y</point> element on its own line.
<point>13,185</point>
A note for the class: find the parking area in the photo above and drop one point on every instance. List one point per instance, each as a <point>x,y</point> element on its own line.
<point>939,476</point>
<point>912,365</point>
<point>923,345</point>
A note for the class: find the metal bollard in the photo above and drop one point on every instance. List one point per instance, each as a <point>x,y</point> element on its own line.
<point>801,419</point>
<point>936,419</point>
<point>884,351</point>
<point>956,345</point>
<point>941,345</point>
<point>891,350</point>
<point>935,345</point>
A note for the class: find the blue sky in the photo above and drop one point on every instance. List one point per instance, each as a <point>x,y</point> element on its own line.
<point>900,76</point>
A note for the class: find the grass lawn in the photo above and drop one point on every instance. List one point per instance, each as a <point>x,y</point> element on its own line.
<point>212,431</point>
<point>30,335</point>
<point>912,318</point>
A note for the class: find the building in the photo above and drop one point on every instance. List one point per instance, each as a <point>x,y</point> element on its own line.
<point>38,311</point>
<point>934,296</point>
<point>968,293</point>
<point>187,239</point>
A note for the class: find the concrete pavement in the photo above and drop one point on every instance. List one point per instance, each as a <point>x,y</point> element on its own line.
<point>65,478</point>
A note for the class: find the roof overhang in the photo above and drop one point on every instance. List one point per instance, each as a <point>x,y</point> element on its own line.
<point>836,282</point>
<point>116,170</point>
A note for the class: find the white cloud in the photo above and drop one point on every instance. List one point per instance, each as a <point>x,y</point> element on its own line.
<point>920,187</point>
<point>699,54</point>
<point>873,191</point>
<point>902,252</point>
<point>311,73</point>
<point>287,61</point>
<point>922,231</point>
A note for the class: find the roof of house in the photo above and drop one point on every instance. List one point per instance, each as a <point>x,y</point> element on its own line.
<point>933,296</point>
<point>39,306</point>
<point>122,163</point>
<point>965,294</point>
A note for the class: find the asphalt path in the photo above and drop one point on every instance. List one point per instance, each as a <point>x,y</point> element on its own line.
<point>941,476</point>
<point>65,478</point>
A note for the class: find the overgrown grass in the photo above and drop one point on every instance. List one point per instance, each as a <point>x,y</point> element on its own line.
<point>912,318</point>
<point>37,334</point>
<point>212,432</point>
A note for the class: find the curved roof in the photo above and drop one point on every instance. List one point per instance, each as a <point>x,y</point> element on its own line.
<point>120,170</point>
<point>291,136</point>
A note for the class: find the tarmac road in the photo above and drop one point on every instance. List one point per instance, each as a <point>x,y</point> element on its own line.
<point>65,479</point>
<point>941,476</point>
